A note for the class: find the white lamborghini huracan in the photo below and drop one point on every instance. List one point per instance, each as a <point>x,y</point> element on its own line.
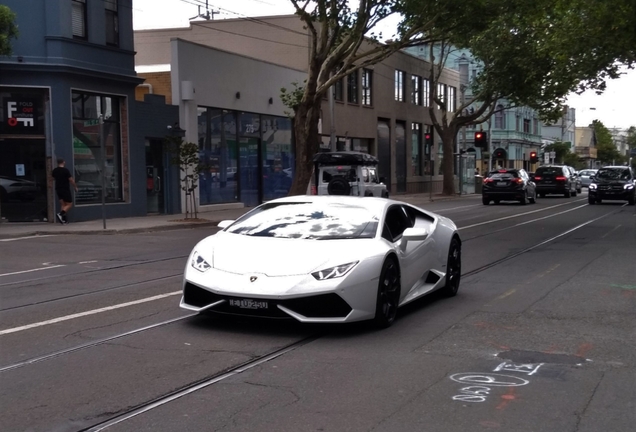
<point>324,259</point>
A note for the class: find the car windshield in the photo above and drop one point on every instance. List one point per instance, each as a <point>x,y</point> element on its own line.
<point>308,220</point>
<point>503,175</point>
<point>613,174</point>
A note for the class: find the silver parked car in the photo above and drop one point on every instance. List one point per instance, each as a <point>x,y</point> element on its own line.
<point>586,176</point>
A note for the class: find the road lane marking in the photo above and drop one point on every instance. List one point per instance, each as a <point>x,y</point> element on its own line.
<point>457,208</point>
<point>32,270</point>
<point>506,294</point>
<point>91,312</point>
<point>29,237</point>
<point>87,262</point>
<point>518,215</point>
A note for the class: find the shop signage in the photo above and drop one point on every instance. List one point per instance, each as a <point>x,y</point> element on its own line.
<point>21,116</point>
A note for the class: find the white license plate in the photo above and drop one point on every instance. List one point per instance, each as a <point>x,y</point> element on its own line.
<point>249,304</point>
<point>501,183</point>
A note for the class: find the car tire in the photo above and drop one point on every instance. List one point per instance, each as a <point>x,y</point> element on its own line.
<point>453,268</point>
<point>590,200</point>
<point>485,201</point>
<point>388,296</point>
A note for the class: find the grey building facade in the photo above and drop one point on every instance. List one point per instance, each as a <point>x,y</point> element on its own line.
<point>72,65</point>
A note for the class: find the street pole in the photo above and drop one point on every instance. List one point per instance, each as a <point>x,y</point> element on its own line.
<point>103,152</point>
<point>489,144</point>
<point>333,119</point>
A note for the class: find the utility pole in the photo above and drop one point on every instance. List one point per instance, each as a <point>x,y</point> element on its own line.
<point>490,144</point>
<point>103,157</point>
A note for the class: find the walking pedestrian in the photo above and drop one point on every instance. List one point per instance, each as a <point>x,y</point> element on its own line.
<point>63,182</point>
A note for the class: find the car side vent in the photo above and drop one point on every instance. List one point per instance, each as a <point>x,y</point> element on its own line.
<point>432,278</point>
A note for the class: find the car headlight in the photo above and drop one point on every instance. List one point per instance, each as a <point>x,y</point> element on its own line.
<point>629,186</point>
<point>592,186</point>
<point>334,272</point>
<point>199,263</point>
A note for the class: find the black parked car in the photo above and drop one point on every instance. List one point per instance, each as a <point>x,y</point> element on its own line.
<point>613,183</point>
<point>508,185</point>
<point>556,179</point>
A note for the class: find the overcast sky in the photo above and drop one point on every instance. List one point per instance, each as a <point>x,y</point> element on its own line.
<point>614,107</point>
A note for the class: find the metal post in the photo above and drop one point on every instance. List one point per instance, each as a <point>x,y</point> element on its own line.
<point>489,144</point>
<point>332,139</point>
<point>103,152</point>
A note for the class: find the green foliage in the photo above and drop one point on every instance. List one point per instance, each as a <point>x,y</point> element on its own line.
<point>631,137</point>
<point>291,99</point>
<point>8,30</point>
<point>606,150</point>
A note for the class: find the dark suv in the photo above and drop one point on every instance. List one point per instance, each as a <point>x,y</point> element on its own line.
<point>613,183</point>
<point>508,184</point>
<point>555,179</point>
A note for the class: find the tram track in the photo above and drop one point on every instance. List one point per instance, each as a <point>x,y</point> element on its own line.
<point>201,384</point>
<point>233,371</point>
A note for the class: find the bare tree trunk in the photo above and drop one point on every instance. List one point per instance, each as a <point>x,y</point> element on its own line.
<point>307,143</point>
<point>448,139</point>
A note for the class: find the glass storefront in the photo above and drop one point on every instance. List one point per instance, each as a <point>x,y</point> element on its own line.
<point>247,157</point>
<point>87,154</point>
<point>23,179</point>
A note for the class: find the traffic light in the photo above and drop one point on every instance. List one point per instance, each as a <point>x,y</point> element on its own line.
<point>428,142</point>
<point>481,139</point>
<point>499,154</point>
<point>533,157</point>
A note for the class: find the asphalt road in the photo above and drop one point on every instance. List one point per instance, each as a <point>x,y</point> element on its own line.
<point>541,337</point>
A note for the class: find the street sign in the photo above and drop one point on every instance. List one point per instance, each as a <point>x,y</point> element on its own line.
<point>546,157</point>
<point>552,155</point>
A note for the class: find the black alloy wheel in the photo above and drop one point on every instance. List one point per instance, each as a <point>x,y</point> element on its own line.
<point>388,297</point>
<point>453,268</point>
<point>485,201</point>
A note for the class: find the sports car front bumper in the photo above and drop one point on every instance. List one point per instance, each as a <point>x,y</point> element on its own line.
<point>346,299</point>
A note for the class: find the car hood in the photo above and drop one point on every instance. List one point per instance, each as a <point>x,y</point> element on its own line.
<point>612,182</point>
<point>241,254</point>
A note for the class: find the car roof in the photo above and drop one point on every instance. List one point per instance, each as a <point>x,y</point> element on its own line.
<point>345,158</point>
<point>373,204</point>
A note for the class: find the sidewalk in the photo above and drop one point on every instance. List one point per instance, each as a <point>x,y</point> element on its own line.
<point>10,230</point>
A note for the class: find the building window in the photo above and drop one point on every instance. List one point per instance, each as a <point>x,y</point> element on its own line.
<point>441,94</point>
<point>536,126</point>
<point>500,117</point>
<point>367,85</point>
<point>399,85</point>
<point>89,168</point>
<point>416,90</point>
<point>526,125</point>
<point>337,91</point>
<point>416,149</point>
<point>112,24</point>
<point>426,89</point>
<point>451,98</point>
<point>78,18</point>
<point>352,87</point>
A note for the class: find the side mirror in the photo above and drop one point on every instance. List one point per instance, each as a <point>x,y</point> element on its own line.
<point>225,223</point>
<point>415,234</point>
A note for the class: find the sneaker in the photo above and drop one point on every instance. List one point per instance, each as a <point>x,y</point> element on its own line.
<point>65,218</point>
<point>60,218</point>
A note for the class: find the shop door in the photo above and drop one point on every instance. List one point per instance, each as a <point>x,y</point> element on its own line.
<point>23,180</point>
<point>249,171</point>
<point>468,166</point>
<point>155,177</point>
<point>400,156</point>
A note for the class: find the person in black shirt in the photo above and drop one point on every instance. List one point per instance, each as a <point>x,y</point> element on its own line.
<point>63,182</point>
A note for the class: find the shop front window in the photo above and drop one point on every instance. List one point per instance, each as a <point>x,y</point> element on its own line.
<point>218,182</point>
<point>90,169</point>
<point>277,157</point>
